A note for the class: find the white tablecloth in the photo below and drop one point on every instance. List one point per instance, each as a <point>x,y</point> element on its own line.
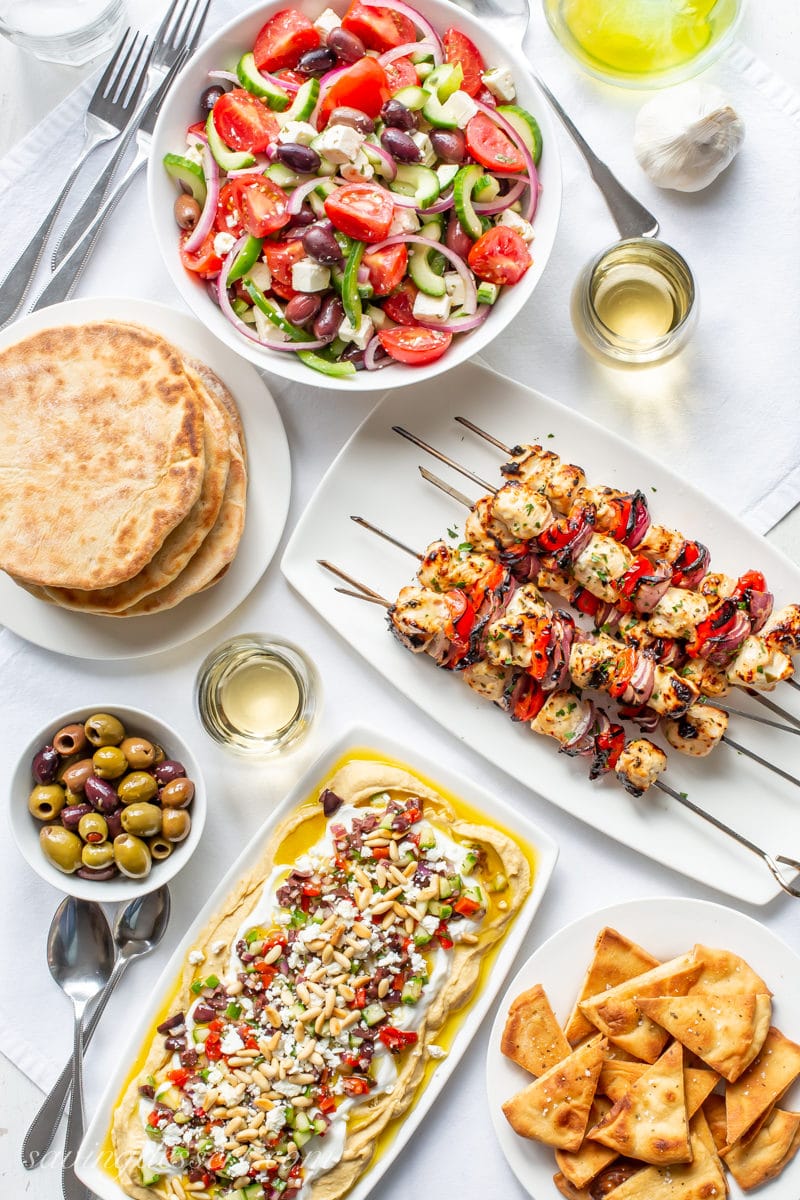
<point>673,410</point>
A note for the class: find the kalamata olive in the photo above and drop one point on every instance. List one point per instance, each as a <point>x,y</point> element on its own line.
<point>101,874</point>
<point>302,308</point>
<point>74,778</point>
<point>210,96</point>
<point>189,1059</point>
<point>114,823</point>
<point>456,239</point>
<point>166,771</point>
<point>61,848</point>
<point>186,211</point>
<point>449,144</point>
<point>139,752</point>
<point>109,762</point>
<point>178,794</point>
<point>319,243</point>
<point>70,740</point>
<point>147,1090</point>
<point>71,816</point>
<point>306,216</point>
<point>132,856</point>
<point>330,802</point>
<point>160,847</point>
<point>355,356</point>
<point>203,1013</point>
<point>354,117</point>
<point>175,824</point>
<point>101,794</point>
<point>103,729</point>
<point>174,1022</point>
<point>330,317</point>
<point>175,1043</point>
<point>45,764</point>
<point>46,801</point>
<point>138,786</point>
<point>400,145</point>
<point>316,62</point>
<point>298,157</point>
<point>93,828</point>
<point>347,47</point>
<point>397,116</point>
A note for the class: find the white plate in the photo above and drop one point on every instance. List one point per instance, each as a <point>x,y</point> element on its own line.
<point>87,1165</point>
<point>666,927</point>
<point>376,476</point>
<point>86,635</point>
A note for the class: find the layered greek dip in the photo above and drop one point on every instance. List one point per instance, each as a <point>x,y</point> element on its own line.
<point>359,190</point>
<point>310,1011</point>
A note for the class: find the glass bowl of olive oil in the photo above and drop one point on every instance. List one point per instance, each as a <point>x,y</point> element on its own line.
<point>644,43</point>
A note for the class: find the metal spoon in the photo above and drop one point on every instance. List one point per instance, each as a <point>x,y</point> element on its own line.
<point>138,929</point>
<point>80,955</point>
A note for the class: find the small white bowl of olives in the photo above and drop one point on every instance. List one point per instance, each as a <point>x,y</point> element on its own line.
<point>107,803</point>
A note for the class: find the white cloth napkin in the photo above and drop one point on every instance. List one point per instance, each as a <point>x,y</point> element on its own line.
<point>724,413</point>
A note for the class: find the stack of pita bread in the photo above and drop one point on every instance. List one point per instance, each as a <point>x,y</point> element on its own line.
<point>123,474</point>
<point>664,1076</point>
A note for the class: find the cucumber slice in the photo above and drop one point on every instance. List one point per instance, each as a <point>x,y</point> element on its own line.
<point>149,1177</point>
<point>446,173</point>
<point>188,174</point>
<point>445,80</point>
<point>526,126</point>
<point>373,1013</point>
<point>436,112</point>
<point>251,78</point>
<point>465,182</point>
<point>412,97</point>
<point>415,180</point>
<point>422,272</point>
<point>245,259</point>
<point>304,102</point>
<point>324,188</point>
<point>229,160</point>
<point>284,176</point>
<point>317,205</point>
<point>424,69</point>
<point>487,188</point>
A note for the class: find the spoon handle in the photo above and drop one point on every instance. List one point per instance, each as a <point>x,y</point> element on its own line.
<point>43,1127</point>
<point>71,1186</point>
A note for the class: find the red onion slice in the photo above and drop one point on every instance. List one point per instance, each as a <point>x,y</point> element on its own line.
<point>720,649</point>
<point>459,264</point>
<point>640,521</point>
<point>226,75</point>
<point>206,222</point>
<point>641,682</point>
<point>651,588</point>
<point>396,52</point>
<point>529,207</point>
<point>458,324</point>
<point>389,166</point>
<point>299,194</point>
<point>429,34</point>
<point>444,202</point>
<point>371,361</point>
<point>490,207</point>
<point>760,609</point>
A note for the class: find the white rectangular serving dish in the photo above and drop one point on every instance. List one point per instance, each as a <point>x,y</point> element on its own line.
<point>376,476</point>
<point>88,1167</point>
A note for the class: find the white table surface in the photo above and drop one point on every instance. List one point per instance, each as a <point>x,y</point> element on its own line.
<point>593,871</point>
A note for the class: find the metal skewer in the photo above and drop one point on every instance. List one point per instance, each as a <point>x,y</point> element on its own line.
<point>773,707</point>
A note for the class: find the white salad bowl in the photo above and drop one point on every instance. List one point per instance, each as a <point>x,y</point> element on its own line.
<point>180,109</point>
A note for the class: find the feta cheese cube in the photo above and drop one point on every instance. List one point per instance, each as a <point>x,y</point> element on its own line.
<point>435,307</point>
<point>361,336</point>
<point>422,140</point>
<point>326,22</point>
<point>193,151</point>
<point>299,133</point>
<point>360,168</point>
<point>310,276</point>
<point>454,286</point>
<point>518,224</point>
<point>261,276</point>
<point>404,220</point>
<point>500,83</point>
<point>338,143</point>
<point>461,107</point>
<point>223,242</point>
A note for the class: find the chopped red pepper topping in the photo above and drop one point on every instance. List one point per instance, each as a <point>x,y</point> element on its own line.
<point>396,1039</point>
<point>355,1085</point>
<point>465,906</point>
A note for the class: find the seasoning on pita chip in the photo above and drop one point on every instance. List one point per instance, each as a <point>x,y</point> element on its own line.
<point>617,1014</point>
<point>764,1081</point>
<point>616,1079</point>
<point>581,1166</point>
<point>725,1031</point>
<point>532,1036</point>
<point>555,1108</point>
<point>725,973</point>
<point>616,959</point>
<point>767,1154</point>
<point>649,1121</point>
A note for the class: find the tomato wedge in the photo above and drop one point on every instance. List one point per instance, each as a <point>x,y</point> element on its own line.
<point>280,257</point>
<point>363,86</point>
<point>243,122</point>
<point>499,256</point>
<point>204,261</point>
<point>400,305</point>
<point>283,39</point>
<point>491,147</point>
<point>459,49</point>
<point>414,344</point>
<point>401,74</point>
<point>379,28</point>
<point>386,267</point>
<point>361,210</point>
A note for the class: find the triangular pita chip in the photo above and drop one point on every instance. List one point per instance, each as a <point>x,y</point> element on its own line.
<point>766,1155</point>
<point>581,1166</point>
<point>616,1078</point>
<point>532,1036</point>
<point>763,1082</point>
<point>725,1031</point>
<point>569,1190</point>
<point>714,1110</point>
<point>726,974</point>
<point>555,1107</point>
<point>649,1122</point>
<point>616,1013</point>
<point>701,1179</point>
<point>616,959</point>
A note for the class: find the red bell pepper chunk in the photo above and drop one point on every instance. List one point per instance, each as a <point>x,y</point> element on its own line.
<point>178,1076</point>
<point>396,1039</point>
<point>217,1161</point>
<point>355,1085</point>
<point>621,672</point>
<point>465,906</point>
<point>327,1104</point>
<point>610,744</point>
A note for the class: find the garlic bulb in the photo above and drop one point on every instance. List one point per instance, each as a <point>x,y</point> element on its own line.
<point>684,137</point>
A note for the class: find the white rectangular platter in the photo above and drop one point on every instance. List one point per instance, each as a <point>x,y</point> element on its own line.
<point>89,1166</point>
<point>376,477</point>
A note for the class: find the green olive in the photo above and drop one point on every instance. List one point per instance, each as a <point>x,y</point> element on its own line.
<point>109,762</point>
<point>93,828</point>
<point>46,801</point>
<point>74,798</point>
<point>139,752</point>
<point>137,786</point>
<point>160,847</point>
<point>175,824</point>
<point>160,755</point>
<point>177,794</point>
<point>97,855</point>
<point>132,856</point>
<point>103,729</point>
<point>75,776</point>
<point>141,819</point>
<point>61,848</point>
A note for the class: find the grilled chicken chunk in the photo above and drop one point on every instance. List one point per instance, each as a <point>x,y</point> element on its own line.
<point>698,731</point>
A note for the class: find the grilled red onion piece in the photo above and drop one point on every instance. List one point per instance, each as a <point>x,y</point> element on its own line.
<point>688,576</point>
<point>639,521</point>
<point>720,649</point>
<point>561,635</point>
<point>640,685</point>
<point>646,718</point>
<point>582,742</point>
<point>759,609</point>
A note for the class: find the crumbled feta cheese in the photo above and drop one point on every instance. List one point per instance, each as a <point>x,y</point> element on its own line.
<point>436,307</point>
<point>361,336</point>
<point>339,143</point>
<point>171,1134</point>
<point>500,83</point>
<point>346,909</point>
<point>326,22</point>
<point>197,956</point>
<point>193,152</point>
<point>299,133</point>
<point>455,288</point>
<point>423,143</point>
<point>430,923</point>
<point>435,1051</point>
<point>518,224</point>
<point>310,276</point>
<point>303,864</point>
<point>214,1075</point>
<point>275,1119</point>
<point>229,1093</point>
<point>286,1088</point>
<point>219,946</point>
<point>230,1042</point>
<point>360,168</point>
<point>461,107</point>
<point>218,1136</point>
<point>223,243</point>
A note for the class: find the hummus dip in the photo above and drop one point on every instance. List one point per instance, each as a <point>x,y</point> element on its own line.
<point>310,1006</point>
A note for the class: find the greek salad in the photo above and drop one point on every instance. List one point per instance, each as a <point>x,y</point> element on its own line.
<point>359,190</point>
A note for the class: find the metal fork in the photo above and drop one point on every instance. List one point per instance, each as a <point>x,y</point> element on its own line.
<point>64,279</point>
<point>180,29</point>
<point>109,110</point>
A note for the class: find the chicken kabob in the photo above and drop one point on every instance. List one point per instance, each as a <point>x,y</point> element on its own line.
<point>431,622</point>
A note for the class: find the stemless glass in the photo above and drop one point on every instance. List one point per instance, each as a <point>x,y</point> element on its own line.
<point>70,32</point>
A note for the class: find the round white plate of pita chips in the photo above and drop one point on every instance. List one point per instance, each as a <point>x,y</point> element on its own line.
<point>173,530</point>
<point>687,1056</point>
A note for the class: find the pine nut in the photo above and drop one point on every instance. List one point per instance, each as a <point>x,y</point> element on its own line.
<point>273,954</point>
<point>235,988</point>
<point>327,953</point>
<point>384,987</point>
<point>273,1016</point>
<point>234,1126</point>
